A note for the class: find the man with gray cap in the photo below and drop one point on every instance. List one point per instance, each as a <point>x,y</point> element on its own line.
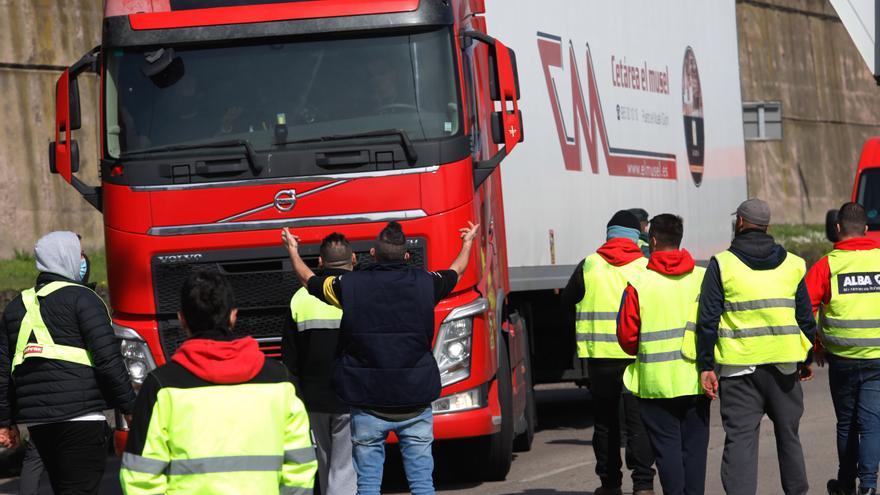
<point>756,321</point>
<point>60,367</point>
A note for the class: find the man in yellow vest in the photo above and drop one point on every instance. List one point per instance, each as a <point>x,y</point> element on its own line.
<point>61,367</point>
<point>220,417</point>
<point>845,289</point>
<point>755,320</point>
<point>594,290</point>
<point>658,311</point>
<point>309,351</point>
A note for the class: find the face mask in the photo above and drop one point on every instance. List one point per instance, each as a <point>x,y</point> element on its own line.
<point>83,269</point>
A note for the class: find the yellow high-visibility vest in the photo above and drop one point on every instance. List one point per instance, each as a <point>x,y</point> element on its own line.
<point>311,313</point>
<point>596,313</point>
<point>850,322</point>
<point>33,325</point>
<point>758,323</point>
<point>667,310</point>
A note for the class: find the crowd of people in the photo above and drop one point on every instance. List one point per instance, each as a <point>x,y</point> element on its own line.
<point>662,338</point>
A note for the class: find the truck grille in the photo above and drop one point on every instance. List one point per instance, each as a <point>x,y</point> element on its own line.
<point>262,280</point>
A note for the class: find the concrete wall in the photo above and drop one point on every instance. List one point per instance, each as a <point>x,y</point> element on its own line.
<point>36,35</point>
<point>798,52</point>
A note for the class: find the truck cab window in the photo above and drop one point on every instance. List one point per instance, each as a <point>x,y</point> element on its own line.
<point>869,196</point>
<point>313,87</point>
<point>473,113</point>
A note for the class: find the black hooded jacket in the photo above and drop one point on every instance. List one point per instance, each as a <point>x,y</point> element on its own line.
<point>759,251</point>
<point>44,390</point>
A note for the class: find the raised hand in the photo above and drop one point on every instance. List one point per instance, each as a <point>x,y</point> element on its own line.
<point>468,233</point>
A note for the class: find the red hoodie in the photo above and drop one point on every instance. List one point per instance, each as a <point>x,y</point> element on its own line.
<point>629,323</point>
<point>619,251</point>
<point>221,362</point>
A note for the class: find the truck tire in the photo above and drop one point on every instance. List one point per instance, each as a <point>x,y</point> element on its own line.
<point>523,441</point>
<point>499,447</point>
<point>831,225</point>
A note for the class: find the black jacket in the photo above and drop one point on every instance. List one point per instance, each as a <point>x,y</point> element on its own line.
<point>43,390</point>
<point>759,251</point>
<point>309,355</point>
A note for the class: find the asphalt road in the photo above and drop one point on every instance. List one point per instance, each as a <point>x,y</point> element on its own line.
<point>561,461</point>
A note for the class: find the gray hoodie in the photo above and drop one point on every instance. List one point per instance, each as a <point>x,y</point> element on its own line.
<point>59,253</point>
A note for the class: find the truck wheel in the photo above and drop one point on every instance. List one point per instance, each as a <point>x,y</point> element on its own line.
<point>523,441</point>
<point>831,225</point>
<point>499,446</point>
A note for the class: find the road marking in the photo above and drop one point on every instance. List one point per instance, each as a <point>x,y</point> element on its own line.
<point>557,471</point>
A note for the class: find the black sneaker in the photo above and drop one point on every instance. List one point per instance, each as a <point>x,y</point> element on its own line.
<point>867,491</point>
<point>834,488</point>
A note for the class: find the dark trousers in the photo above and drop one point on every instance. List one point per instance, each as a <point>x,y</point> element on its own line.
<point>74,454</point>
<point>606,388</point>
<point>855,391</point>
<point>744,401</point>
<point>31,471</point>
<point>679,433</point>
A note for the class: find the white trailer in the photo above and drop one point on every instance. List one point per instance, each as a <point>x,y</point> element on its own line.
<point>627,104</point>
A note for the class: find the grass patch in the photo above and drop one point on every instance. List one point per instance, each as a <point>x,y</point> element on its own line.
<point>20,272</point>
<point>806,241</point>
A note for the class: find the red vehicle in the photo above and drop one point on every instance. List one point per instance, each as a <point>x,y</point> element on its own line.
<point>225,120</point>
<point>866,190</point>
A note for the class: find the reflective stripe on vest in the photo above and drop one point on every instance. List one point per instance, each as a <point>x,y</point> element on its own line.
<point>758,323</point>
<point>667,310</point>
<point>596,313</point>
<point>850,322</point>
<point>311,313</point>
<point>33,324</point>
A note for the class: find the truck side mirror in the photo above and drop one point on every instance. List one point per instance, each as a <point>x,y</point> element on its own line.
<point>504,88</point>
<point>64,150</point>
<point>60,150</point>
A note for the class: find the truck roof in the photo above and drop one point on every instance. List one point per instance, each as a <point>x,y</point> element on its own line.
<point>132,23</point>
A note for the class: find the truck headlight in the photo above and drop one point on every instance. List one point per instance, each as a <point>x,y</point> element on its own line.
<point>135,353</point>
<point>452,350</point>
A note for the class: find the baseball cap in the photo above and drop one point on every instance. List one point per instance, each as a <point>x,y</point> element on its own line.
<point>755,211</point>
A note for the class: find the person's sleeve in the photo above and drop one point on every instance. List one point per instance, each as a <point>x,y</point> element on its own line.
<point>288,349</point>
<point>300,462</point>
<point>444,283</point>
<point>804,315</point>
<point>818,282</point>
<point>709,316</point>
<point>573,292</point>
<point>629,323</point>
<point>97,333</point>
<point>146,456</point>
<point>5,383</point>
<point>326,288</point>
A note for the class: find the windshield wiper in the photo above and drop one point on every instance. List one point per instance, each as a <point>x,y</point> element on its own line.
<point>248,147</point>
<point>408,149</point>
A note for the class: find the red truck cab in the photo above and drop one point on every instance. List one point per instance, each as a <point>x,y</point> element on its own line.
<point>866,191</point>
<point>225,120</point>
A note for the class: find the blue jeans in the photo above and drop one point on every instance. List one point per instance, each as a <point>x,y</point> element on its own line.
<point>368,434</point>
<point>855,390</point>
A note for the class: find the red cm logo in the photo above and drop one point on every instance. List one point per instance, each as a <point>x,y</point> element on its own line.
<point>621,162</point>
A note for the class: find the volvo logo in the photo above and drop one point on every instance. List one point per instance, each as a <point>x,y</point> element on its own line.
<point>285,199</point>
<point>180,258</point>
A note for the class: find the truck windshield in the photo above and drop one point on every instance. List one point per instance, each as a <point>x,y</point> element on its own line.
<point>869,196</point>
<point>282,91</point>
